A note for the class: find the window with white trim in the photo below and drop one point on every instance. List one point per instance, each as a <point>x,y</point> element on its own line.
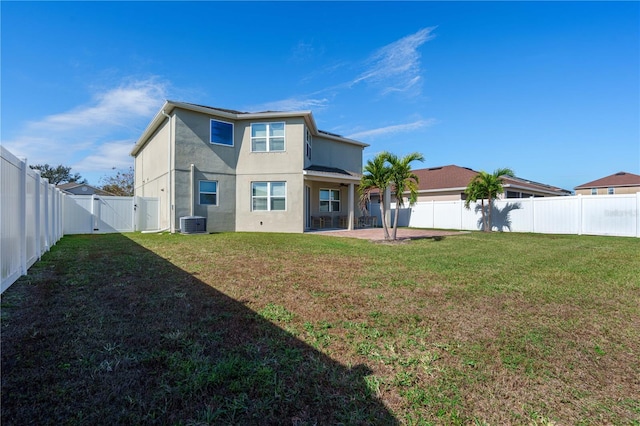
<point>267,137</point>
<point>268,196</point>
<point>594,191</point>
<point>611,191</point>
<point>308,144</point>
<point>221,133</point>
<point>329,200</point>
<point>208,192</point>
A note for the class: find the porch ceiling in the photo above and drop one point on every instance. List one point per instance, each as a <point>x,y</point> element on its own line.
<point>330,177</point>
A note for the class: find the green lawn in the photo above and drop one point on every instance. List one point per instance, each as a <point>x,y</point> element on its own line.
<point>245,328</point>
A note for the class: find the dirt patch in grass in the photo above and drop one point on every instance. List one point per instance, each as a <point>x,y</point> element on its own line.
<point>306,329</point>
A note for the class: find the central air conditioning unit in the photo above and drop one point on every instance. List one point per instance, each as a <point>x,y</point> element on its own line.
<point>193,225</point>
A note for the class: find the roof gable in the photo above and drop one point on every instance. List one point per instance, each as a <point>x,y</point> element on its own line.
<point>454,177</point>
<point>616,179</point>
<point>230,114</point>
<point>445,177</point>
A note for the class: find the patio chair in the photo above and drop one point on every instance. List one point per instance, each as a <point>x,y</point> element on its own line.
<point>317,222</point>
<point>327,221</point>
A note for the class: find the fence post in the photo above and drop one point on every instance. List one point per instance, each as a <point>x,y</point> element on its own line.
<point>580,212</point>
<point>23,216</point>
<point>533,214</point>
<point>433,214</point>
<point>38,219</point>
<point>46,215</point>
<point>638,214</point>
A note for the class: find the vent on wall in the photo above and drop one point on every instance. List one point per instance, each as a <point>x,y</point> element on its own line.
<point>193,224</point>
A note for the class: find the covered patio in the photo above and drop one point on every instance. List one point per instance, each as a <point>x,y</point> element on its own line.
<point>331,199</point>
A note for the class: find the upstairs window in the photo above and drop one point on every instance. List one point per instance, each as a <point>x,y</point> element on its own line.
<point>308,144</point>
<point>329,200</point>
<point>208,190</point>
<point>268,196</point>
<point>221,133</point>
<point>267,137</point>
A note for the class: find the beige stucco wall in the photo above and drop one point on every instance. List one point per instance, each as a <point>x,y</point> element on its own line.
<point>604,191</point>
<point>289,220</point>
<point>235,168</point>
<point>441,196</point>
<point>211,162</point>
<point>280,166</point>
<point>151,172</point>
<point>331,153</point>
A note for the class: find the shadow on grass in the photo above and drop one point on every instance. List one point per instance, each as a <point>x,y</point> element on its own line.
<point>104,331</point>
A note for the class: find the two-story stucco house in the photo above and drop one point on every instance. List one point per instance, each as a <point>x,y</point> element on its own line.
<point>265,171</point>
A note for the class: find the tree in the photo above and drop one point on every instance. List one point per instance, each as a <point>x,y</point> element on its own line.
<point>486,186</point>
<point>403,180</point>
<point>59,174</point>
<point>120,184</point>
<point>376,176</point>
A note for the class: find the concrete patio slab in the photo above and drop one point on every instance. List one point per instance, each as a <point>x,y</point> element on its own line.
<point>377,234</point>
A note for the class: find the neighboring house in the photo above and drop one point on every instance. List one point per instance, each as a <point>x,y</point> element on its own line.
<point>448,183</point>
<point>265,171</point>
<point>619,183</point>
<point>75,188</point>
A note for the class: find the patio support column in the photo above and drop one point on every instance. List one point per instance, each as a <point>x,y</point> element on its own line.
<point>351,213</point>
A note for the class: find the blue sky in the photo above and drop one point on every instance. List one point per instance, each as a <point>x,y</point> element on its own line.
<point>549,89</point>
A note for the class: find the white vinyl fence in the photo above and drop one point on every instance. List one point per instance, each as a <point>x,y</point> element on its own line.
<point>30,217</point>
<point>617,215</point>
<point>92,214</point>
<point>34,215</point>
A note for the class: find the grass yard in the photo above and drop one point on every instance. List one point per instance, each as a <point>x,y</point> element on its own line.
<point>244,328</point>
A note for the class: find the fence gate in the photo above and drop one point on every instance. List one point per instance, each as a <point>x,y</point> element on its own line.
<point>92,214</point>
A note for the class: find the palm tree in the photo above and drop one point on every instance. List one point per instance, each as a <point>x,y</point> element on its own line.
<point>403,180</point>
<point>486,186</point>
<point>376,177</point>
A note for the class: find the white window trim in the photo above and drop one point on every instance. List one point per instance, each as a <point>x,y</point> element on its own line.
<point>594,191</point>
<point>331,200</point>
<point>308,146</point>
<point>611,191</point>
<point>269,196</point>
<point>233,142</point>
<point>205,192</point>
<point>267,137</point>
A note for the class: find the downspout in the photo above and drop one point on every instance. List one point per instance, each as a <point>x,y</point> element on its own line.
<point>193,190</point>
<point>169,203</point>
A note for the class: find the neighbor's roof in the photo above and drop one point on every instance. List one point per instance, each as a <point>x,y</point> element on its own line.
<point>445,177</point>
<point>230,114</point>
<point>454,177</point>
<point>617,179</point>
<point>67,187</point>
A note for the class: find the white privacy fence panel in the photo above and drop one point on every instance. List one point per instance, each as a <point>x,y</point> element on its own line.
<point>34,215</point>
<point>147,213</point>
<point>617,215</point>
<point>92,214</point>
<point>87,214</point>
<point>30,217</point>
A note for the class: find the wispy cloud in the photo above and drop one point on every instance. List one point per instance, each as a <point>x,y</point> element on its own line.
<point>292,104</point>
<point>96,136</point>
<point>396,66</point>
<point>396,128</point>
<point>108,156</point>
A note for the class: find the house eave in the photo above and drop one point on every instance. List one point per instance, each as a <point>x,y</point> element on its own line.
<point>330,177</point>
<point>559,191</point>
<point>169,106</point>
